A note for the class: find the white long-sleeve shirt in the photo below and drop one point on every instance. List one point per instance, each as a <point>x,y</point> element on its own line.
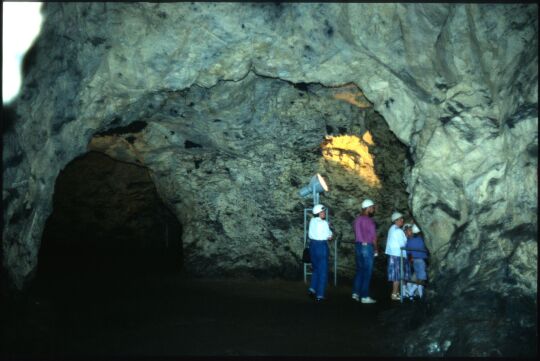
<point>319,229</point>
<point>396,239</point>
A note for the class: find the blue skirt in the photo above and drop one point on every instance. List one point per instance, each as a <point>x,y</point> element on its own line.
<point>394,273</point>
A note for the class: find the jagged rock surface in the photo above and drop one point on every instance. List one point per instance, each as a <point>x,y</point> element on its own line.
<point>457,84</point>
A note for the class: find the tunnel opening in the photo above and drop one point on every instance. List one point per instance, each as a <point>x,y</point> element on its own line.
<point>108,221</point>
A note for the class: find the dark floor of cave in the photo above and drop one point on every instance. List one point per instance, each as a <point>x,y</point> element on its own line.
<point>110,282</point>
<point>155,311</point>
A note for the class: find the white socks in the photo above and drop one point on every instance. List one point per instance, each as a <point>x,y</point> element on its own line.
<point>410,289</point>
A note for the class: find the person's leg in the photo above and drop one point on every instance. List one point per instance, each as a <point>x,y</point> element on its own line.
<point>314,267</point>
<point>323,270</point>
<point>367,267</point>
<point>358,274</point>
<point>420,269</point>
<point>319,259</point>
<point>421,275</point>
<point>406,270</point>
<point>393,276</point>
<point>395,287</point>
<point>390,272</point>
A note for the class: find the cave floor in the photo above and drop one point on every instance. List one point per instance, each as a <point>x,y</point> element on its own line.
<point>166,314</point>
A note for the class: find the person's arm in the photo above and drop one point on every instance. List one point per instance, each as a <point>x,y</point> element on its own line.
<point>331,234</point>
<point>403,242</point>
<point>375,241</point>
<point>311,227</point>
<point>355,228</point>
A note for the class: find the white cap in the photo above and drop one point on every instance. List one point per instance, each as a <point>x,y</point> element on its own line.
<point>318,208</point>
<point>367,203</point>
<point>415,229</point>
<point>396,216</point>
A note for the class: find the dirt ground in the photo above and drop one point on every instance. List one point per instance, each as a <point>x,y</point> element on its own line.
<point>169,314</point>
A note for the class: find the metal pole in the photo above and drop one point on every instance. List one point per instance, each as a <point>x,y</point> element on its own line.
<point>335,248</point>
<point>305,227</point>
<point>315,198</point>
<point>335,261</point>
<point>401,276</point>
<point>305,240</point>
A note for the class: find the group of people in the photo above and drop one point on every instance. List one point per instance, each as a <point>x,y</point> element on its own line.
<point>400,235</point>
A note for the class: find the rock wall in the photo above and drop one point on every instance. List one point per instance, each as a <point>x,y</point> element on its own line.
<point>241,99</point>
<point>231,159</point>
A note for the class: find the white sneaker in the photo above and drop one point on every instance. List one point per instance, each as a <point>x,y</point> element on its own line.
<point>368,300</point>
<point>355,297</point>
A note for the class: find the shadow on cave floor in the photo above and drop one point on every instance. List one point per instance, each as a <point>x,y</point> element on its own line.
<point>167,313</point>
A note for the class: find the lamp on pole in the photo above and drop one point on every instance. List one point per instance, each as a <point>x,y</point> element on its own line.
<point>316,186</point>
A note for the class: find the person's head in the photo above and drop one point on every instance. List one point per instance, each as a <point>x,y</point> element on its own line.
<point>408,229</point>
<point>397,219</point>
<point>368,207</point>
<point>319,210</point>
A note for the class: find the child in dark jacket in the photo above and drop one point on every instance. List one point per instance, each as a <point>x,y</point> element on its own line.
<point>418,258</point>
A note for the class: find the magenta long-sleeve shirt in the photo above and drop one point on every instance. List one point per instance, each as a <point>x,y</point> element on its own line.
<point>364,229</point>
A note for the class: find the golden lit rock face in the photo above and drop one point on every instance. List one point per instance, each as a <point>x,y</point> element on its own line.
<point>352,152</point>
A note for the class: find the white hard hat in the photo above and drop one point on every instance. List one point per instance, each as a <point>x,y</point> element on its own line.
<point>415,229</point>
<point>367,203</point>
<point>318,208</point>
<point>396,216</point>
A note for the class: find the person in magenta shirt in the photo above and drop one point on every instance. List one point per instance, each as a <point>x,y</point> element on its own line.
<point>365,250</point>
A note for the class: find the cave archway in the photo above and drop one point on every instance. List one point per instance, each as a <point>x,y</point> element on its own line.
<point>215,149</point>
<point>108,220</point>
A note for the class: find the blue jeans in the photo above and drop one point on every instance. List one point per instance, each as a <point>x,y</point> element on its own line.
<point>419,266</point>
<point>319,262</point>
<point>364,267</point>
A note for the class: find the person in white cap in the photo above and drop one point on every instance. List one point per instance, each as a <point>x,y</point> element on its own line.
<point>319,233</point>
<point>396,239</point>
<point>418,254</point>
<point>365,250</point>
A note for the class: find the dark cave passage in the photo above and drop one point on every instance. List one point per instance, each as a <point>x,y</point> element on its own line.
<point>108,220</point>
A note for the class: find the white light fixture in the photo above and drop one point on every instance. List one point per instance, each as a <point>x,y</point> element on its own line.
<point>21,24</point>
<point>316,186</point>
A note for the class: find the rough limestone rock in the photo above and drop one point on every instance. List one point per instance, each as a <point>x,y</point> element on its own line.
<point>233,107</point>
